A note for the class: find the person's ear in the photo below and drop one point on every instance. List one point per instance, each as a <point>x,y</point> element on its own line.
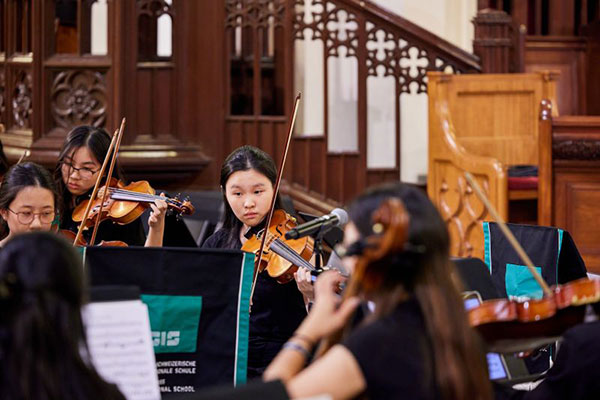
<point>4,214</point>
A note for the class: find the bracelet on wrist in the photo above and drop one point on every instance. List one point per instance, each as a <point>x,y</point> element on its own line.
<point>298,348</point>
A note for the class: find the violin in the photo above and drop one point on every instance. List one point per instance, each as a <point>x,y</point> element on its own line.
<point>128,203</point>
<point>281,258</point>
<point>71,236</point>
<point>517,325</point>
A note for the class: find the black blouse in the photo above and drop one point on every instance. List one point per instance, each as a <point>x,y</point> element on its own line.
<point>395,355</point>
<point>277,309</point>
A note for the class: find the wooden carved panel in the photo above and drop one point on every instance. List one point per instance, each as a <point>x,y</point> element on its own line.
<point>460,208</point>
<point>576,150</point>
<point>336,26</point>
<point>22,100</point>
<point>154,8</point>
<point>254,13</point>
<point>78,97</point>
<point>389,54</point>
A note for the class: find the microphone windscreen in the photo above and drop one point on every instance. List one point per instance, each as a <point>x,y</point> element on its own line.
<point>342,216</point>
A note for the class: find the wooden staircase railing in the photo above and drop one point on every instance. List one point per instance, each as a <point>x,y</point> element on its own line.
<point>384,45</point>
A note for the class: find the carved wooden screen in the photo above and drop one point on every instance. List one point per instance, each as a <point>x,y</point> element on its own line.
<point>255,48</point>
<point>66,63</point>
<point>376,44</point>
<point>16,72</point>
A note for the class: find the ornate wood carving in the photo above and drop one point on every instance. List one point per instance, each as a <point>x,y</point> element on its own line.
<point>585,150</point>
<point>79,97</point>
<point>462,211</point>
<point>154,8</point>
<point>389,53</point>
<point>254,13</point>
<point>22,105</point>
<point>327,21</point>
<point>309,19</point>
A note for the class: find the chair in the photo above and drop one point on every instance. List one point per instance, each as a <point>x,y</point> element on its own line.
<point>484,124</point>
<point>551,250</point>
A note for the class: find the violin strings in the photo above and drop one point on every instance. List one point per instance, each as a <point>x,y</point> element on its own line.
<point>287,252</point>
<point>136,196</point>
<point>282,248</point>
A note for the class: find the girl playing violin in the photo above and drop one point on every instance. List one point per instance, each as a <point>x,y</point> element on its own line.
<point>416,344</point>
<point>28,200</point>
<point>248,176</point>
<point>78,166</point>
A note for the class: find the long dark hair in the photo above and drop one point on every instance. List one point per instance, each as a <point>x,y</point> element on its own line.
<point>20,176</point>
<point>96,140</point>
<point>43,348</point>
<point>243,159</point>
<point>425,272</point>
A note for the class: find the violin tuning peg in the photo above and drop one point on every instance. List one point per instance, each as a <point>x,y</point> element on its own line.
<point>187,198</point>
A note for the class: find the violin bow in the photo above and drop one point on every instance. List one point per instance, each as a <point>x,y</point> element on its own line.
<point>23,156</point>
<point>96,186</point>
<point>113,161</point>
<point>509,235</point>
<point>275,192</point>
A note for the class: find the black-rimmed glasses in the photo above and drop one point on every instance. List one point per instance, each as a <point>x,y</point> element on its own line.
<point>84,173</point>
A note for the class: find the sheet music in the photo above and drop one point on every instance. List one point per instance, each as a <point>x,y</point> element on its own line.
<point>121,348</point>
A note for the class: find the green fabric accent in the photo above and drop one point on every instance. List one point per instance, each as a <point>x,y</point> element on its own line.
<point>520,282</point>
<point>241,351</point>
<point>560,239</point>
<point>174,322</point>
<point>487,245</point>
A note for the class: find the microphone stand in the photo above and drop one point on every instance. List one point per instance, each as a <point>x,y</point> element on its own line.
<point>318,250</point>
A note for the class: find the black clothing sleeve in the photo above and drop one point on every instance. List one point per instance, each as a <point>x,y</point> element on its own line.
<point>133,233</point>
<point>395,355</point>
<point>217,240</point>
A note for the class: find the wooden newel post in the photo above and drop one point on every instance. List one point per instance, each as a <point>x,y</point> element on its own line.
<point>494,41</point>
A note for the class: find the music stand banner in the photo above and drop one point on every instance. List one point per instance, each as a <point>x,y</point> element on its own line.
<point>198,302</point>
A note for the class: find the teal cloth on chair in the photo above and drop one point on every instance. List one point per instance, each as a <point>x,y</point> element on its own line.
<point>520,282</point>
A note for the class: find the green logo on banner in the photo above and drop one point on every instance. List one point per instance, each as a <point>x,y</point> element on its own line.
<point>174,322</point>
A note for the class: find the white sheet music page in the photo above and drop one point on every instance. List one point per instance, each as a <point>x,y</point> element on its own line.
<point>118,334</point>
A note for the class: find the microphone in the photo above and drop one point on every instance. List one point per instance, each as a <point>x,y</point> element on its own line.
<point>337,217</point>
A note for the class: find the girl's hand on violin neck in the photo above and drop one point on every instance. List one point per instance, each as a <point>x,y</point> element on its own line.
<point>159,211</point>
<point>156,223</point>
<point>328,313</point>
<point>304,282</point>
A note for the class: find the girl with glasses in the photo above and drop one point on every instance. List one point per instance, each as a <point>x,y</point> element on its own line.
<point>78,166</point>
<point>28,200</point>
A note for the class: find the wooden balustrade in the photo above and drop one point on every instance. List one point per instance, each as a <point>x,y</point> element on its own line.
<point>383,45</point>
